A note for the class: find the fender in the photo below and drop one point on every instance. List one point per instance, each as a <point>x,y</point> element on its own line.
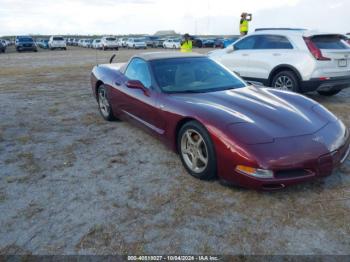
<point>283,66</point>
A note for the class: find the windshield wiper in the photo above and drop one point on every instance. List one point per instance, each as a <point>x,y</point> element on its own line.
<point>192,91</point>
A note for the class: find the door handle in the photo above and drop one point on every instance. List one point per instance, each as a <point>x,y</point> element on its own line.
<point>245,54</point>
<point>276,54</point>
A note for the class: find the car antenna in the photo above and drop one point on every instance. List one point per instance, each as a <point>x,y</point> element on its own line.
<point>112,58</point>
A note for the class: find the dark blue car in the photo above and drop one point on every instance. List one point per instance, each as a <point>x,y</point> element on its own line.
<point>25,43</point>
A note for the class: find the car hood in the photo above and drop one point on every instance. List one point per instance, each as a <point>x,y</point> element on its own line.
<point>268,112</point>
<point>217,53</point>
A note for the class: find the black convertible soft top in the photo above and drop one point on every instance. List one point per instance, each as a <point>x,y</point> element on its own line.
<point>165,55</point>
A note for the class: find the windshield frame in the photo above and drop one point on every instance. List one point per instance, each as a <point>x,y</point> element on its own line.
<point>208,90</point>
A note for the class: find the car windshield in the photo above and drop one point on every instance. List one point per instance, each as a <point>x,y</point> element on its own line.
<point>110,39</point>
<point>138,40</point>
<point>58,39</point>
<point>25,39</point>
<point>193,75</point>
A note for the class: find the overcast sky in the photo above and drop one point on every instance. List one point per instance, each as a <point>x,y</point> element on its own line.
<point>148,16</point>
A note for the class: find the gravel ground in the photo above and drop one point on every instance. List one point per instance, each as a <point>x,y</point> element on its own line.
<point>71,183</point>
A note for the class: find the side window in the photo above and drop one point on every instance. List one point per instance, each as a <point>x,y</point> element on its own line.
<point>246,43</point>
<point>273,42</point>
<point>138,70</point>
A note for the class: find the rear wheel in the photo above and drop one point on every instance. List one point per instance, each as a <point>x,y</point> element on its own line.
<point>286,80</point>
<point>197,150</point>
<point>329,93</point>
<point>104,104</point>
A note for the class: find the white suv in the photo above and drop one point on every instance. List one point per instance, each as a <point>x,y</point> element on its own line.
<point>296,60</point>
<point>57,42</point>
<point>109,42</point>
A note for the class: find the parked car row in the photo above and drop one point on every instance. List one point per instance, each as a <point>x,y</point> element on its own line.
<point>110,42</point>
<point>27,43</point>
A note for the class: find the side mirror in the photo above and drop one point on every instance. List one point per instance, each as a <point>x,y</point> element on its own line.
<point>230,49</point>
<point>136,84</point>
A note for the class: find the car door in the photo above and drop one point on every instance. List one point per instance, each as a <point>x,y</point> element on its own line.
<point>270,51</point>
<point>141,105</point>
<point>239,56</point>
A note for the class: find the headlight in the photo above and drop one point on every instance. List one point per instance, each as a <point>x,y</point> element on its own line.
<point>255,172</point>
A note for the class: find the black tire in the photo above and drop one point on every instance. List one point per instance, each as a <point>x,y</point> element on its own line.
<point>210,170</point>
<point>107,114</point>
<point>329,93</point>
<point>290,77</point>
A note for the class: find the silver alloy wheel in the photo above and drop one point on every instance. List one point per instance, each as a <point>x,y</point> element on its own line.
<point>284,83</point>
<point>194,151</point>
<point>103,102</point>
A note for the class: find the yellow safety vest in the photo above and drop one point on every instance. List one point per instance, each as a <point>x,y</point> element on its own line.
<point>244,26</point>
<point>186,46</point>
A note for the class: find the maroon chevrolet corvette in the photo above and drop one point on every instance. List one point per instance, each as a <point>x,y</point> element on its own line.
<point>258,138</point>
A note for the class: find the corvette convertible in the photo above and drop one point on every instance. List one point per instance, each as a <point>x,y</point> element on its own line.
<point>255,137</point>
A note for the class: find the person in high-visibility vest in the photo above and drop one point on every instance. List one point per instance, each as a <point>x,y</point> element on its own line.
<point>244,23</point>
<point>186,44</point>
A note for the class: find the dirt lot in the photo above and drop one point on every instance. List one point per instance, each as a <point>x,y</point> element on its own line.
<point>71,183</point>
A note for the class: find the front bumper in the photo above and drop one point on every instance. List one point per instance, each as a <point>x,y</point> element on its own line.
<point>331,83</point>
<point>58,46</point>
<point>26,48</point>
<point>295,160</point>
<point>110,46</point>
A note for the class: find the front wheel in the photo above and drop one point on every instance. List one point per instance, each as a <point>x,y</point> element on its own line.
<point>197,150</point>
<point>286,80</point>
<point>329,93</point>
<point>104,104</point>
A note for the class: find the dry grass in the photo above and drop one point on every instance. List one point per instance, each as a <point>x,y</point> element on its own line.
<point>148,203</point>
<point>28,163</point>
<point>24,139</point>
